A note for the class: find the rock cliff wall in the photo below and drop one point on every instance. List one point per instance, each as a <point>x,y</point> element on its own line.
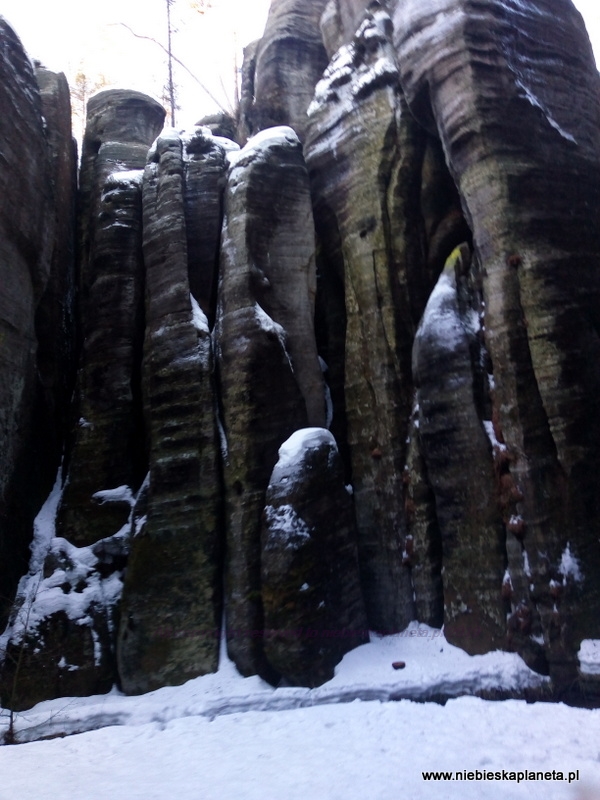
<point>342,378</point>
<point>37,182</point>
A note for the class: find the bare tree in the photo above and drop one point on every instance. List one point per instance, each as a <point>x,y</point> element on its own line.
<point>200,6</point>
<point>82,87</point>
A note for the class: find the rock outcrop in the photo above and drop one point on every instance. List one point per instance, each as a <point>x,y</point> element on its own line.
<point>171,609</point>
<point>313,605</point>
<point>457,452</point>
<point>269,373</point>
<point>447,466</point>
<point>340,20</point>
<point>108,447</point>
<point>520,126</point>
<point>28,393</point>
<point>355,159</point>
<point>285,67</point>
<point>54,321</point>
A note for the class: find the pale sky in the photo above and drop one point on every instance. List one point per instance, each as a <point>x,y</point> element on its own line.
<point>73,35</point>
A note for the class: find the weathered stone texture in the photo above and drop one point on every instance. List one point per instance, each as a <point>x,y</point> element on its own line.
<point>270,377</point>
<point>26,241</point>
<point>513,93</point>
<point>55,322</point>
<point>458,459</point>
<point>340,20</point>
<point>108,449</point>
<point>290,59</point>
<point>114,117</point>
<point>311,593</point>
<point>355,160</point>
<point>205,178</point>
<point>171,608</point>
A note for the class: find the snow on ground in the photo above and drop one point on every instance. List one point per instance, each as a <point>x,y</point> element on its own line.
<point>223,737</point>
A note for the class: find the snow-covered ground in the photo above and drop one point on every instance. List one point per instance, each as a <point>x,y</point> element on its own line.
<point>223,737</point>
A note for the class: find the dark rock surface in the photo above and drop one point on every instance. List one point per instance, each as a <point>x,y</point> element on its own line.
<point>27,222</point>
<point>115,117</point>
<point>171,608</point>
<point>313,606</point>
<point>462,388</point>
<point>270,379</point>
<point>54,321</point>
<point>458,458</point>
<point>289,60</point>
<point>355,160</point>
<point>205,169</point>
<point>520,126</point>
<point>107,448</point>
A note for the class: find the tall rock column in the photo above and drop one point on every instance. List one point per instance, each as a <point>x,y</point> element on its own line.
<point>269,373</point>
<point>458,458</point>
<point>26,240</point>
<point>365,164</point>
<point>171,607</point>
<point>55,316</point>
<point>284,67</point>
<point>513,92</point>
<point>108,449</point>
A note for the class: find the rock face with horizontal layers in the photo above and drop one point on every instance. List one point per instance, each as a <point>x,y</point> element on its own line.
<point>457,452</point>
<point>205,172</point>
<point>108,444</point>
<point>311,593</point>
<point>463,398</point>
<point>171,608</point>
<point>26,241</point>
<point>354,158</point>
<point>512,91</point>
<point>120,126</point>
<point>289,60</point>
<point>270,378</point>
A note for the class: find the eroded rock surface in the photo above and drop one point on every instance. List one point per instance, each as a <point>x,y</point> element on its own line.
<point>355,159</point>
<point>520,126</point>
<point>313,604</point>
<point>171,608</point>
<point>458,457</point>
<point>107,447</point>
<point>289,60</point>
<point>27,222</point>
<point>270,377</point>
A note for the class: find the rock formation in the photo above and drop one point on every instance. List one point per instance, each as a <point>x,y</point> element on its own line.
<point>108,448</point>
<point>311,593</point>
<point>269,373</point>
<point>284,67</point>
<point>35,298</point>
<point>233,305</point>
<point>171,609</point>
<point>447,360</point>
<point>520,126</point>
<point>366,161</point>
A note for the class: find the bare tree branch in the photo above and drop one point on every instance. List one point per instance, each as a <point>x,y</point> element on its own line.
<point>181,64</point>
